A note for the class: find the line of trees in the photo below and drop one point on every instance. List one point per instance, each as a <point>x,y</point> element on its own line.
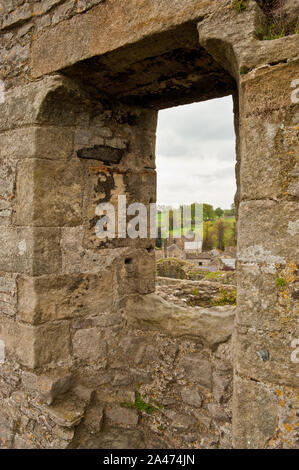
<point>218,234</point>
<point>217,230</point>
<point>209,213</point>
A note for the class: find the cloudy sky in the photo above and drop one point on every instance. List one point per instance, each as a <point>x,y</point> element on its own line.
<point>196,154</point>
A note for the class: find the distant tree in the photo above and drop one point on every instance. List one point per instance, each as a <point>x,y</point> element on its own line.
<point>208,236</point>
<point>219,212</point>
<point>232,240</point>
<point>230,212</point>
<point>219,228</point>
<point>159,242</point>
<point>171,220</point>
<point>233,209</point>
<point>208,212</point>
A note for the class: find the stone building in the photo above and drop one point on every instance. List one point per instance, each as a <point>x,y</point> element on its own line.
<point>173,251</point>
<point>201,260</point>
<point>81,331</point>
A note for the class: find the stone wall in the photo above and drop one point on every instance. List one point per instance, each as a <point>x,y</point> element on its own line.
<point>85,344</point>
<point>71,314</point>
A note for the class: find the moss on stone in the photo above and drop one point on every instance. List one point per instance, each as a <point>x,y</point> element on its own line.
<point>224,298</point>
<point>240,5</point>
<point>140,404</point>
<point>281,282</point>
<point>213,275</point>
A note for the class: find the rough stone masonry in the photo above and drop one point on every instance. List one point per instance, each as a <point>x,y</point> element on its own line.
<point>90,356</point>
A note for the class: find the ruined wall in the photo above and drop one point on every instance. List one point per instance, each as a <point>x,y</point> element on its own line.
<point>82,335</point>
<point>266,373</point>
<point>54,277</point>
<point>74,358</point>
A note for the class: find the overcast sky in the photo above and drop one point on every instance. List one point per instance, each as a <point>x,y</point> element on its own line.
<point>196,154</point>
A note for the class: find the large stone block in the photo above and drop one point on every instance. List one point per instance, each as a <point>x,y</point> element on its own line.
<point>197,369</point>
<point>49,55</point>
<point>18,16</point>
<point>265,357</point>
<point>268,307</point>
<point>30,250</point>
<point>122,416</point>
<point>265,232</point>
<point>103,185</point>
<point>48,298</point>
<point>36,346</point>
<point>53,143</point>
<point>49,193</point>
<point>142,148</point>
<point>141,186</point>
<point>21,105</point>
<point>50,101</point>
<point>29,142</point>
<point>8,294</point>
<point>136,272</point>
<point>89,347</point>
<point>268,89</point>
<point>45,5</point>
<point>269,148</point>
<point>48,386</point>
<point>210,327</point>
<point>255,417</point>
<point>78,259</point>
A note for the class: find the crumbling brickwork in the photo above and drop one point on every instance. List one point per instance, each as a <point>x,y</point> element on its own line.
<point>86,344</point>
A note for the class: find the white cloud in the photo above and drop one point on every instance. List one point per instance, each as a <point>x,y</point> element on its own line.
<point>196,154</point>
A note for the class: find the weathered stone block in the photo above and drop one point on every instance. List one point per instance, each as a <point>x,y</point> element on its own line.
<point>142,148</point>
<point>8,294</point>
<point>269,89</point>
<point>17,16</point>
<point>44,344</point>
<point>191,397</point>
<point>43,6</point>
<point>209,326</point>
<point>141,186</point>
<point>49,193</point>
<point>51,386</point>
<point>197,369</point>
<point>103,185</point>
<point>136,273</point>
<point>53,143</point>
<point>89,346</point>
<point>181,422</point>
<point>265,357</point>
<point>48,298</point>
<point>122,416</point>
<point>63,11</point>
<point>268,158</point>
<point>36,346</point>
<point>66,413</point>
<point>29,250</point>
<point>82,30</point>
<point>47,387</point>
<point>35,103</point>
<point>218,413</point>
<point>264,234</point>
<point>254,414</point>
<point>20,107</point>
<point>94,417</point>
<point>268,307</point>
<point>84,5</point>
<point>30,142</point>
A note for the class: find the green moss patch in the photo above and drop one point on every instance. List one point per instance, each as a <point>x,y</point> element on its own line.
<point>225,298</point>
<point>140,404</point>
